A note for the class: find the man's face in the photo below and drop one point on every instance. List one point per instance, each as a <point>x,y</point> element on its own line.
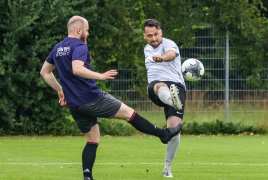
<point>84,34</point>
<point>153,36</point>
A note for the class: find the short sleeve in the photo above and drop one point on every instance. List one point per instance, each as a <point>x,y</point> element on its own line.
<point>80,53</point>
<point>170,45</point>
<point>50,59</point>
<point>147,52</point>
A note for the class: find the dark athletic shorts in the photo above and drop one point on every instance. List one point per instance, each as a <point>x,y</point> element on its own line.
<point>169,110</point>
<point>86,116</point>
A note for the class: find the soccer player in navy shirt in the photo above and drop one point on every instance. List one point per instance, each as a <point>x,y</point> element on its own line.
<point>86,102</point>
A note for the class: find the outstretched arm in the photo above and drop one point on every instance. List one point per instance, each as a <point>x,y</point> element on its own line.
<point>80,70</point>
<point>46,73</point>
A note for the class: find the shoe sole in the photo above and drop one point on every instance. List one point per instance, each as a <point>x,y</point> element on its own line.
<point>174,94</point>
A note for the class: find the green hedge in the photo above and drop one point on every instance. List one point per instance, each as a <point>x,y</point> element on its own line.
<point>219,127</point>
<point>116,127</point>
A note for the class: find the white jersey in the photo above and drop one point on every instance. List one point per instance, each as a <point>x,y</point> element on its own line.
<point>163,71</point>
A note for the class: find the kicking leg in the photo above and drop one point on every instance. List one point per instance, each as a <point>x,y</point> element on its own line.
<point>163,93</point>
<point>137,121</point>
<point>145,126</point>
<point>168,96</point>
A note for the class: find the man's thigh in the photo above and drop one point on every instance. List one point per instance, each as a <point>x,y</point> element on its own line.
<point>169,110</point>
<point>87,116</point>
<point>124,112</point>
<point>84,122</point>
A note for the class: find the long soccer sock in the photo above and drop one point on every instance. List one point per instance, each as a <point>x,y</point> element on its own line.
<point>88,158</point>
<point>171,150</point>
<point>145,126</point>
<point>164,95</point>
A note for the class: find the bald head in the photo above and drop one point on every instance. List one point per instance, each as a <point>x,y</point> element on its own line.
<point>76,22</point>
<point>78,28</point>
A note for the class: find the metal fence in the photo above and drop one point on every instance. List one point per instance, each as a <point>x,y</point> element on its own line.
<point>211,98</point>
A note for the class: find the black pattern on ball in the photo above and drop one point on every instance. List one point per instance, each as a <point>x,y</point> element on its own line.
<point>194,69</point>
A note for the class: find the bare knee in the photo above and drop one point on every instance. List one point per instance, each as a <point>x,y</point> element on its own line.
<point>158,85</point>
<point>94,134</point>
<point>124,112</point>
<point>173,121</point>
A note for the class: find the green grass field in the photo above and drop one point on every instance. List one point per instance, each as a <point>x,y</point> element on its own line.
<point>132,158</point>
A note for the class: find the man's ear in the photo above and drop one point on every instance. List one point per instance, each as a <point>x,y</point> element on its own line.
<point>79,30</point>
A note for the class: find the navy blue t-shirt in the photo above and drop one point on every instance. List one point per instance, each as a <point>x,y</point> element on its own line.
<point>78,91</point>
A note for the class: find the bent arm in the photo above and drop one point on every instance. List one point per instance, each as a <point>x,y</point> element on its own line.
<point>169,56</point>
<point>80,70</point>
<point>46,73</point>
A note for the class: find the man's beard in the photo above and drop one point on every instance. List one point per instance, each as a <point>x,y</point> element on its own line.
<point>83,37</point>
<point>154,45</point>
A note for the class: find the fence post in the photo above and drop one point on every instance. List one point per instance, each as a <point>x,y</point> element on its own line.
<point>227,77</point>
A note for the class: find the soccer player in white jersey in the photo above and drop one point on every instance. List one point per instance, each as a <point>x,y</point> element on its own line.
<point>166,84</point>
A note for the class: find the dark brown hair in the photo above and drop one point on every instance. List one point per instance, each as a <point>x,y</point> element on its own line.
<point>151,23</point>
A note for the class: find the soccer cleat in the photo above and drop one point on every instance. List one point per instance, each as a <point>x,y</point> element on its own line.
<point>167,173</point>
<point>87,178</point>
<point>170,133</point>
<point>175,97</point>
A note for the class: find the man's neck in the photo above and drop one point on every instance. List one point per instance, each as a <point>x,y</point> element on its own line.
<point>72,36</point>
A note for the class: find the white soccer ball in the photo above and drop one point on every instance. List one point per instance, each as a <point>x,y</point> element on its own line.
<point>192,69</point>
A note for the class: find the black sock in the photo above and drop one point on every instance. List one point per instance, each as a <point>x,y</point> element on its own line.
<point>145,126</point>
<point>88,158</point>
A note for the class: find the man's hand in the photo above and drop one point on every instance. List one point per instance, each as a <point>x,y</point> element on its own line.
<point>158,58</point>
<point>109,74</point>
<point>62,100</point>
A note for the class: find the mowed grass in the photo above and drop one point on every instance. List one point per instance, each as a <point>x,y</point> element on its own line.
<point>135,158</point>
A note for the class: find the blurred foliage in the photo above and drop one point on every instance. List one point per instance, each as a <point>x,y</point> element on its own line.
<point>116,128</point>
<point>219,127</point>
<point>30,29</point>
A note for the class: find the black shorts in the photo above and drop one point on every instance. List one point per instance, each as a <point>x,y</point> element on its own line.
<point>86,116</point>
<point>169,110</point>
